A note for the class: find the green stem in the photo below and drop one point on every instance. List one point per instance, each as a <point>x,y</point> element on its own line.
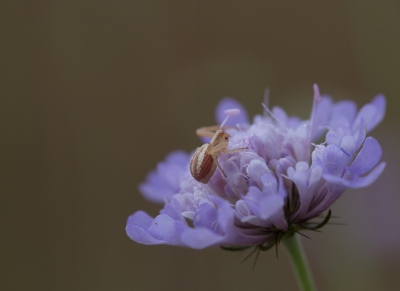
<point>299,263</point>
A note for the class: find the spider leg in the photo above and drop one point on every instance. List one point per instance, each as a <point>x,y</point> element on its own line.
<point>215,158</point>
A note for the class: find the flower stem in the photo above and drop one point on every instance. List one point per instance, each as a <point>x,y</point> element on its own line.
<point>299,263</point>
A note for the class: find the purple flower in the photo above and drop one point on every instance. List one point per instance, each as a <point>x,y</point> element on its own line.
<point>277,184</point>
<point>164,182</point>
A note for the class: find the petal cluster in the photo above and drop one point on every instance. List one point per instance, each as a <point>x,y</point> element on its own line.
<point>283,177</point>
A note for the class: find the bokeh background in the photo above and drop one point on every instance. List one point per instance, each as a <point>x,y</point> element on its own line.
<point>95,93</point>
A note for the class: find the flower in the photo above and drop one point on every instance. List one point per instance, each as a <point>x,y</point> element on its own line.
<point>274,186</point>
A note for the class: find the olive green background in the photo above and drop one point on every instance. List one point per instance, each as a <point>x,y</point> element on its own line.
<point>95,93</point>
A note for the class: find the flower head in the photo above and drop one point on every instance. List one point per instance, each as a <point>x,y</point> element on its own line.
<point>276,183</point>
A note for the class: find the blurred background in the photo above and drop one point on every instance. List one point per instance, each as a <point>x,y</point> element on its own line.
<point>95,93</point>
